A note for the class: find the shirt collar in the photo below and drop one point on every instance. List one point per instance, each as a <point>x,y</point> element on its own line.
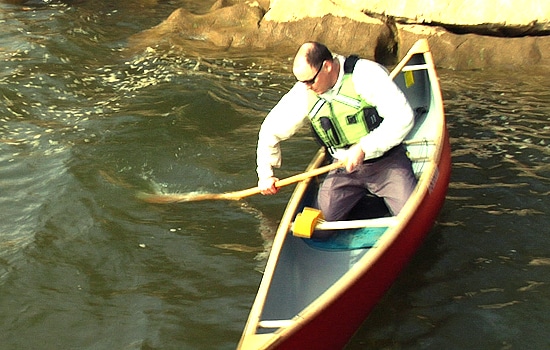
<point>329,94</point>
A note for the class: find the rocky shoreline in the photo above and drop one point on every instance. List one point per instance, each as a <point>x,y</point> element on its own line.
<point>459,42</point>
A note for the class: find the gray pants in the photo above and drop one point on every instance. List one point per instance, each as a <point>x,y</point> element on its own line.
<point>390,177</point>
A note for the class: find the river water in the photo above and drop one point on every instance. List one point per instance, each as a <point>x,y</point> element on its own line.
<point>85,125</point>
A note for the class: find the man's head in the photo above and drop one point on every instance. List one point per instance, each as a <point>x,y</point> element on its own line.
<point>314,66</point>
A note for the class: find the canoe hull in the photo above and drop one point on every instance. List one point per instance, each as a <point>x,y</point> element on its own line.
<point>333,325</point>
<point>316,298</point>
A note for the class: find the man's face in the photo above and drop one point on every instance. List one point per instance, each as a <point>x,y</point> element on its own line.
<point>315,78</point>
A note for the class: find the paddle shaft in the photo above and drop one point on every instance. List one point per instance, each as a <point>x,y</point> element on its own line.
<point>284,182</point>
<point>193,197</point>
<point>309,174</point>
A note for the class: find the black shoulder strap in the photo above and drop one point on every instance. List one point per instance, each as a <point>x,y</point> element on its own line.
<point>350,62</point>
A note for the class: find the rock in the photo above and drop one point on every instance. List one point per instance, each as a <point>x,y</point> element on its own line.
<point>222,27</point>
<point>290,11</point>
<point>497,17</point>
<point>363,27</point>
<point>470,51</point>
<point>343,35</point>
<point>246,25</point>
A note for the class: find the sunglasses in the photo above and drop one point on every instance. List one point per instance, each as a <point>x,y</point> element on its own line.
<point>312,80</point>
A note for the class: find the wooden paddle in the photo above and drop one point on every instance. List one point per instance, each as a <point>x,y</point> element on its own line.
<point>237,195</point>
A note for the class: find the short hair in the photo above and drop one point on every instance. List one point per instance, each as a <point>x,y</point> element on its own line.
<point>318,54</point>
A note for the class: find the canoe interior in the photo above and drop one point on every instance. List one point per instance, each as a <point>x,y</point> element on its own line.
<point>303,271</point>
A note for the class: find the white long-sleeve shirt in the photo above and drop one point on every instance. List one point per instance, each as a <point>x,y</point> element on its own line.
<point>371,82</point>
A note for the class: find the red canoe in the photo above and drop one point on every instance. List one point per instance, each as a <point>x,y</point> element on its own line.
<point>315,295</point>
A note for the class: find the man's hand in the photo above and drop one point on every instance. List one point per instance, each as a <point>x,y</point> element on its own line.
<point>267,185</point>
<point>354,157</point>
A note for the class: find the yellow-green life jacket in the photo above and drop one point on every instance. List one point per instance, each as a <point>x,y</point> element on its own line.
<point>343,121</point>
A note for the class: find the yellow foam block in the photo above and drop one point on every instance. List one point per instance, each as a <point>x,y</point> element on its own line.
<point>409,78</point>
<point>305,222</point>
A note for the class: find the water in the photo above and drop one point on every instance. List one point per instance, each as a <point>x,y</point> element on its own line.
<point>481,279</point>
<point>85,124</point>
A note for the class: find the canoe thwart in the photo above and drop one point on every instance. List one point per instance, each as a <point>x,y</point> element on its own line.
<point>275,323</point>
<point>311,219</point>
<point>346,225</point>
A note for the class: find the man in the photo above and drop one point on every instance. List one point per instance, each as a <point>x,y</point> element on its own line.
<point>360,116</point>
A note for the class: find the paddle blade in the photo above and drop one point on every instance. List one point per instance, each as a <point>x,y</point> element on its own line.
<point>195,196</point>
<point>177,197</point>
<point>235,196</point>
